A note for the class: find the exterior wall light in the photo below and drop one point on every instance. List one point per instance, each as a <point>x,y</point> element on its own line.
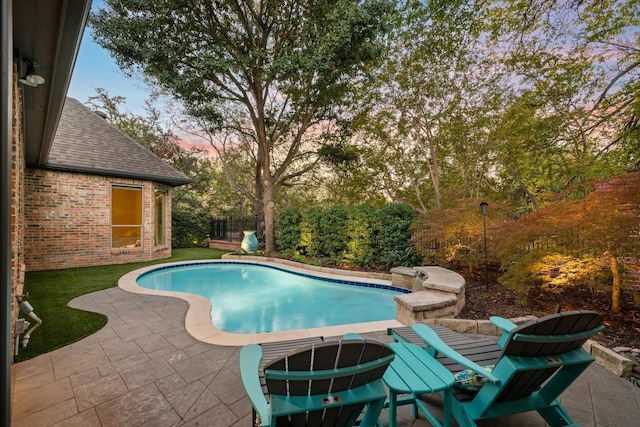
<point>31,78</point>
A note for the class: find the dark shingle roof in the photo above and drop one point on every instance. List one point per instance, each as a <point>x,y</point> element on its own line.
<point>85,142</point>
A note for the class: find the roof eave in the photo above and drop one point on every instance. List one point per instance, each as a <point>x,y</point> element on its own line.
<point>167,180</point>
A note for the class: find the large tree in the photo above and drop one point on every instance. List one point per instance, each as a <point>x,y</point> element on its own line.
<point>430,104</point>
<point>284,66</point>
<point>577,64</point>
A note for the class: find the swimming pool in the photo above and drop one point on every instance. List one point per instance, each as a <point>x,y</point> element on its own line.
<point>198,322</point>
<point>254,298</point>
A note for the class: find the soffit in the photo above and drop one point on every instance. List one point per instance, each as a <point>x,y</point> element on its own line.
<point>48,32</point>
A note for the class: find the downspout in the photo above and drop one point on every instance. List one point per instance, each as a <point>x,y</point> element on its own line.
<point>27,309</point>
<point>6,140</point>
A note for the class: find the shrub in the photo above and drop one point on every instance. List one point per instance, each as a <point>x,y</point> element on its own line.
<point>288,230</point>
<point>362,230</point>
<point>395,232</point>
<point>332,233</point>
<point>356,236</point>
<point>552,271</point>
<point>189,229</point>
<point>310,232</point>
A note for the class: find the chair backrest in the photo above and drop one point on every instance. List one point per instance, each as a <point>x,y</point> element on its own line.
<point>545,339</point>
<point>554,334</point>
<point>327,369</point>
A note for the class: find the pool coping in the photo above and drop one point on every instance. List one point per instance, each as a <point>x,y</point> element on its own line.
<point>198,321</point>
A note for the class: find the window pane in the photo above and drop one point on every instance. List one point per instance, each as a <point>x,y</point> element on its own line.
<point>126,217</point>
<point>125,237</point>
<point>126,207</point>
<point>159,217</point>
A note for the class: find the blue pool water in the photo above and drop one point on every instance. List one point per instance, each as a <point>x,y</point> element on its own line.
<point>252,298</point>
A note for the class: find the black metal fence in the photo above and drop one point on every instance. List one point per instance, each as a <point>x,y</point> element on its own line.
<point>230,229</point>
<point>433,248</point>
<point>432,244</point>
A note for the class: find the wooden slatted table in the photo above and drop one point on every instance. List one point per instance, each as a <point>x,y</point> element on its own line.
<point>415,372</point>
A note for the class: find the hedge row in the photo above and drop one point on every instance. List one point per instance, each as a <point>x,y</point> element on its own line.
<point>358,236</point>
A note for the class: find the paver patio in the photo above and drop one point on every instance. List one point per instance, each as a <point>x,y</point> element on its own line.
<point>144,369</point>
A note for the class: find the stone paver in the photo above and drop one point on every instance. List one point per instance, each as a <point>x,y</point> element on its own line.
<point>144,369</point>
<point>42,397</point>
<point>134,408</point>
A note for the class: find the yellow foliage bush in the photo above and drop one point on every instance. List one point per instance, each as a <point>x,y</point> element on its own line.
<point>557,271</point>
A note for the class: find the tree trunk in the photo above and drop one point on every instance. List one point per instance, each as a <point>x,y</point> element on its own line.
<point>521,184</point>
<point>435,171</point>
<point>269,214</point>
<point>258,201</point>
<point>431,157</point>
<point>615,290</point>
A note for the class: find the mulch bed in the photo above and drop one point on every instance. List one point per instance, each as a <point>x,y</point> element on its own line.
<point>621,329</point>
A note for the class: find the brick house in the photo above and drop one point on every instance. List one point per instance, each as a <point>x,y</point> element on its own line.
<point>100,197</point>
<point>76,197</point>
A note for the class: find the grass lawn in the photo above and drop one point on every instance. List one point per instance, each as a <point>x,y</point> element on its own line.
<point>50,291</point>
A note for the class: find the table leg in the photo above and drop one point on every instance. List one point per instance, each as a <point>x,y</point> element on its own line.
<point>447,395</point>
<point>393,396</point>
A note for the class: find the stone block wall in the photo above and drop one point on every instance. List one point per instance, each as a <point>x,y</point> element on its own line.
<point>68,217</point>
<point>437,293</point>
<point>405,277</point>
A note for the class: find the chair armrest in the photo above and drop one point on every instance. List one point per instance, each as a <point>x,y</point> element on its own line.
<point>431,339</point>
<point>506,326</point>
<point>352,336</point>
<point>250,358</point>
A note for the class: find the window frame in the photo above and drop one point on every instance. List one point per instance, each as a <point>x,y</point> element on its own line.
<point>162,227</point>
<point>140,226</point>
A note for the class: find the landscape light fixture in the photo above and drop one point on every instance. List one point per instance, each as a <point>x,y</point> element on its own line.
<point>483,207</point>
<point>31,78</point>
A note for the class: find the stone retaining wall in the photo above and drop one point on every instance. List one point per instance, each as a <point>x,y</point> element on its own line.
<point>437,292</point>
<point>224,245</point>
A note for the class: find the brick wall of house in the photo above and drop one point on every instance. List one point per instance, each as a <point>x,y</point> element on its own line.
<point>629,180</point>
<point>68,221</point>
<point>17,204</point>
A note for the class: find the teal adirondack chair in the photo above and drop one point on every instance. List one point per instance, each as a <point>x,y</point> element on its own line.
<point>328,383</point>
<point>537,361</point>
